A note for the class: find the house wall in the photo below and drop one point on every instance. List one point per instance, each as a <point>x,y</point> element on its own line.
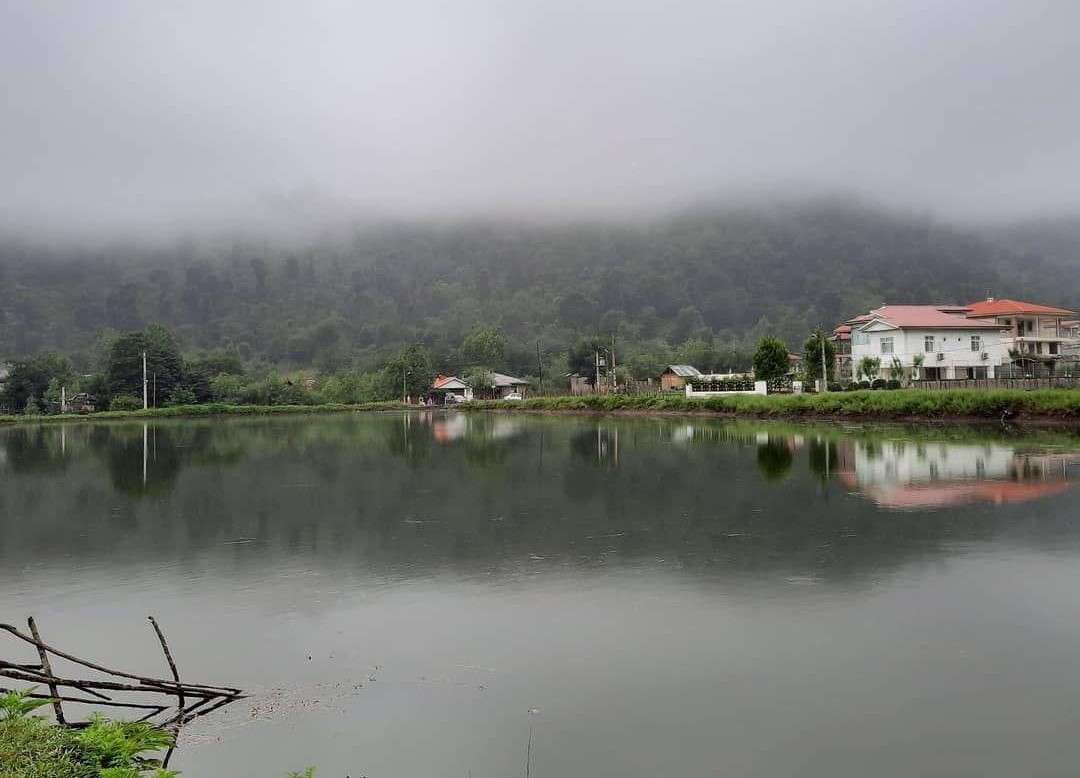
<point>502,391</point>
<point>953,344</point>
<point>579,385</point>
<point>670,382</point>
<point>1038,335</point>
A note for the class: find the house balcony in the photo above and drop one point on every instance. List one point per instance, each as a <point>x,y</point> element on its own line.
<point>1044,347</point>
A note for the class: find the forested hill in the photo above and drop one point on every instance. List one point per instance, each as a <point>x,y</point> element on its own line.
<point>720,275</point>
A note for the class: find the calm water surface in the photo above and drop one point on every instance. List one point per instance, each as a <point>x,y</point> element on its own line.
<point>409,595</point>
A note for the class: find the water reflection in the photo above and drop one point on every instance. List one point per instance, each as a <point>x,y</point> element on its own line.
<point>904,475</point>
<point>775,457</point>
<point>733,581</point>
<point>439,490</point>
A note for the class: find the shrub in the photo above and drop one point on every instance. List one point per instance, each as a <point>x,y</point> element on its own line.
<point>835,386</point>
<point>877,383</point>
<point>892,383</point>
<point>125,402</point>
<point>864,384</point>
<point>181,395</point>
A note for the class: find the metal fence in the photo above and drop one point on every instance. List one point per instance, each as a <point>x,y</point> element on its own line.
<point>1000,383</point>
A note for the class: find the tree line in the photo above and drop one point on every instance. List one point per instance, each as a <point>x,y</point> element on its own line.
<point>698,286</point>
<point>36,384</point>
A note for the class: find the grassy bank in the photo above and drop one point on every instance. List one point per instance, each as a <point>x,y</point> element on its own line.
<point>957,404</point>
<point>961,404</point>
<point>210,409</point>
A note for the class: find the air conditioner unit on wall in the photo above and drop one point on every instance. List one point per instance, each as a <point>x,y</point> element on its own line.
<point>984,355</point>
<point>941,356</point>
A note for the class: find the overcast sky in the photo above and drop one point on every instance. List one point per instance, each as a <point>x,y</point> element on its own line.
<point>128,112</point>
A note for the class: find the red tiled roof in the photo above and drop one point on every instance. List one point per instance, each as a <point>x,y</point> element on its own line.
<point>444,380</point>
<point>927,317</point>
<point>843,332</point>
<point>994,307</point>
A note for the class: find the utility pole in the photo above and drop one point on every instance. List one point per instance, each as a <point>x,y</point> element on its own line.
<point>404,395</point>
<point>145,398</point>
<point>539,367</point>
<point>824,371</point>
<point>597,386</point>
<point>155,388</point>
<point>63,399</point>
<point>614,375</point>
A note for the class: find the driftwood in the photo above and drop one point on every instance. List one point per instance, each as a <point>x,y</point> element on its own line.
<point>168,704</point>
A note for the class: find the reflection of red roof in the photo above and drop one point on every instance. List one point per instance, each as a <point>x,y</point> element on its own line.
<point>939,494</point>
<point>927,317</point>
<point>994,307</point>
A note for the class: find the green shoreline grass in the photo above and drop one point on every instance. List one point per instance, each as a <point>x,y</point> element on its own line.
<point>1060,405</point>
<point>209,409</point>
<point>1048,405</point>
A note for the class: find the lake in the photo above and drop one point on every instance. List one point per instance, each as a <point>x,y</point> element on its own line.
<point>413,595</point>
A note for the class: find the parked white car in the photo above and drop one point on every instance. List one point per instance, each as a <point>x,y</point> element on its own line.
<point>512,396</point>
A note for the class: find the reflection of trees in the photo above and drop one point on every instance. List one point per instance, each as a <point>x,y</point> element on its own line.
<point>34,449</point>
<point>368,493</point>
<point>824,457</point>
<point>774,459</point>
<point>408,439</point>
<point>596,446</point>
<point>123,452</point>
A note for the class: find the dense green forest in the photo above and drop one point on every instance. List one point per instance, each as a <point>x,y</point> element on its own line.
<point>701,285</point>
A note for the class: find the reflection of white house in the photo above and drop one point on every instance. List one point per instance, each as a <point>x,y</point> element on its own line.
<point>502,428</point>
<point>448,427</point>
<point>909,475</point>
<point>950,344</point>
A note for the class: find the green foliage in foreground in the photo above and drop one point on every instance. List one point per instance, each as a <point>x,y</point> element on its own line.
<point>210,409</point>
<point>903,403</point>
<point>30,747</point>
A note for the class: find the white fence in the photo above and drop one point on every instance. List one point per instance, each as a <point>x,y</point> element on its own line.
<point>760,387</point>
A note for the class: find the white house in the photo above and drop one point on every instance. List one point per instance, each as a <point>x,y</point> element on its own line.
<point>502,385</point>
<point>1035,334</point>
<point>449,389</point>
<point>951,345</point>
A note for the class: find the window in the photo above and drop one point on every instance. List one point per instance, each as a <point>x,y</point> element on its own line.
<point>860,339</point>
<point>976,343</point>
<point>886,345</point>
<point>928,344</point>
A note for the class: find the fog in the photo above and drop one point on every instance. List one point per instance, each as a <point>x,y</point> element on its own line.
<point>143,114</point>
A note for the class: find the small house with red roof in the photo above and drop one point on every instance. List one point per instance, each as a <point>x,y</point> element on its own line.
<point>1034,333</point>
<point>929,342</point>
<point>450,389</point>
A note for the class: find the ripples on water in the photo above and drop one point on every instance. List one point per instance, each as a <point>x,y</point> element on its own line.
<point>649,596</point>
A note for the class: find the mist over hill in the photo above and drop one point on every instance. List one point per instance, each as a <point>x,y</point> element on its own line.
<point>718,275</point>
